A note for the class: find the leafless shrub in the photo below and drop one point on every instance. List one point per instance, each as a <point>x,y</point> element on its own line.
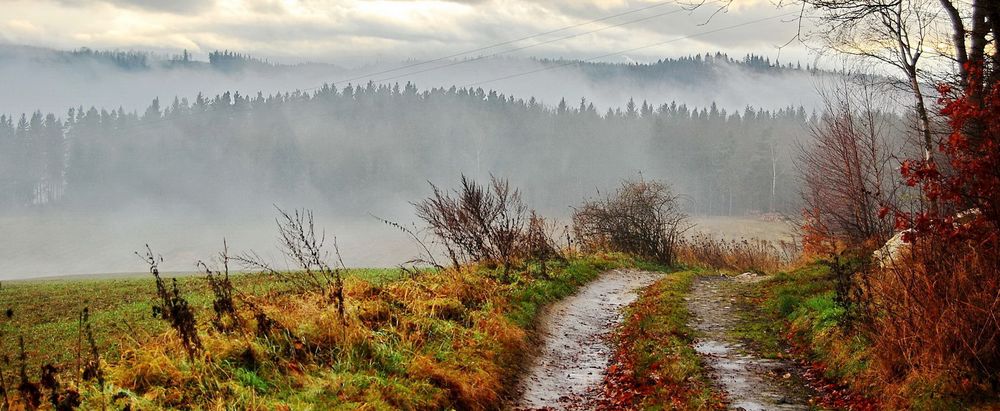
<point>539,242</point>
<point>479,223</point>
<point>91,370</point>
<point>173,306</point>
<point>222,289</point>
<point>641,218</point>
<point>29,391</point>
<point>426,257</point>
<point>540,239</point>
<point>300,243</point>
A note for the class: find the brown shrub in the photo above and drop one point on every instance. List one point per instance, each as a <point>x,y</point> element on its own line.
<point>478,223</point>
<point>848,167</point>
<point>937,317</point>
<point>641,218</point>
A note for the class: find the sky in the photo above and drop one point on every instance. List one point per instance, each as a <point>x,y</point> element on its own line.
<point>359,32</point>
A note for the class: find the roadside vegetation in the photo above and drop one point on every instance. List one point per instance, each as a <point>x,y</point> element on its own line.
<point>794,314</point>
<point>314,334</point>
<point>820,309</point>
<point>440,339</point>
<point>654,364</point>
<point>907,301</point>
<point>906,220</point>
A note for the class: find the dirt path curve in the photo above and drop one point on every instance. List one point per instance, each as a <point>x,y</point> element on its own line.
<point>749,382</point>
<point>574,354</point>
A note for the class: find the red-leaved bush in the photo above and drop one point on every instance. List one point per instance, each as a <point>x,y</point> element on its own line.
<point>936,311</point>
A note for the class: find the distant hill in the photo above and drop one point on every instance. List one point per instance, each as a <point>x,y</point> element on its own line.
<point>54,80</point>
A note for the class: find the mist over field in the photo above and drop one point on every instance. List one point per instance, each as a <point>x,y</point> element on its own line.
<point>499,204</point>
<point>181,175</point>
<point>51,82</point>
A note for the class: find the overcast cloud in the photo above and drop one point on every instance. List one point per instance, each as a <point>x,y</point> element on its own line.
<point>354,32</point>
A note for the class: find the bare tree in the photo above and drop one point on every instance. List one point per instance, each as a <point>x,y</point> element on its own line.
<point>919,38</point>
<point>975,29</point>
<point>849,168</point>
<point>897,33</point>
<point>975,26</point>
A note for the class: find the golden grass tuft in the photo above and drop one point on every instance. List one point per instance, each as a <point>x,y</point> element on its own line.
<point>440,339</point>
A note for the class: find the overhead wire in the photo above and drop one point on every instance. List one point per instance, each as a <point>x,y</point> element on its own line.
<point>617,53</point>
<point>546,68</point>
<point>455,63</point>
<point>503,43</point>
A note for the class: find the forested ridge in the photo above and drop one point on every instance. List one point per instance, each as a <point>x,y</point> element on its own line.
<point>351,145</point>
<point>684,68</point>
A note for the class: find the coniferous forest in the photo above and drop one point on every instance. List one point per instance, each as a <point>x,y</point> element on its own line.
<point>352,145</point>
<point>378,205</point>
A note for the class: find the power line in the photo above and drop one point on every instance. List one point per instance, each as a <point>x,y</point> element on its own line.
<point>455,63</point>
<point>656,5</point>
<point>631,49</point>
<point>504,43</point>
<point>164,119</point>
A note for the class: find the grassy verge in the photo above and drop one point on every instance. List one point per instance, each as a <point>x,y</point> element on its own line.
<point>797,308</point>
<point>440,340</point>
<point>654,365</point>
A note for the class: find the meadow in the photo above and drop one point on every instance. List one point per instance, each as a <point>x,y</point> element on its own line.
<point>46,312</point>
<point>436,339</point>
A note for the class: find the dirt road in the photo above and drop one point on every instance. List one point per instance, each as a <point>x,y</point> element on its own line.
<point>749,382</point>
<point>574,354</point>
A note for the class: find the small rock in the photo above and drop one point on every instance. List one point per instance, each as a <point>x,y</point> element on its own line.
<point>787,375</point>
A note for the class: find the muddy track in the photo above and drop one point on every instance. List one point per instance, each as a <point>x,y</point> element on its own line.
<point>574,352</point>
<point>748,381</point>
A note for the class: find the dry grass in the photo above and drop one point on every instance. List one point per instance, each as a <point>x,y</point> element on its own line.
<point>936,321</point>
<point>443,339</point>
<point>731,228</point>
<point>741,255</point>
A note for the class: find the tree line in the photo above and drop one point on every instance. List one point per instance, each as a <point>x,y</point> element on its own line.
<point>357,144</point>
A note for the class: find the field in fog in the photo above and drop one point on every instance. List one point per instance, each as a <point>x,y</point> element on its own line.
<point>68,244</point>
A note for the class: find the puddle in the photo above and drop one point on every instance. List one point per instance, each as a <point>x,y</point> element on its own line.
<point>574,354</point>
<point>749,382</point>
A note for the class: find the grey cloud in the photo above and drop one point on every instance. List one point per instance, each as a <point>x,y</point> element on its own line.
<point>186,7</point>
<point>332,31</point>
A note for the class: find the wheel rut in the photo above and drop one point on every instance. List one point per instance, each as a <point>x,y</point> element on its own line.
<point>748,381</point>
<point>574,353</point>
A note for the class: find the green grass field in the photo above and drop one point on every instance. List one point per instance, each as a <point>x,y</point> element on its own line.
<point>439,340</point>
<point>47,311</point>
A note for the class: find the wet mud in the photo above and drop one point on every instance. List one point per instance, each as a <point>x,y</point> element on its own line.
<point>748,381</point>
<point>574,351</point>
